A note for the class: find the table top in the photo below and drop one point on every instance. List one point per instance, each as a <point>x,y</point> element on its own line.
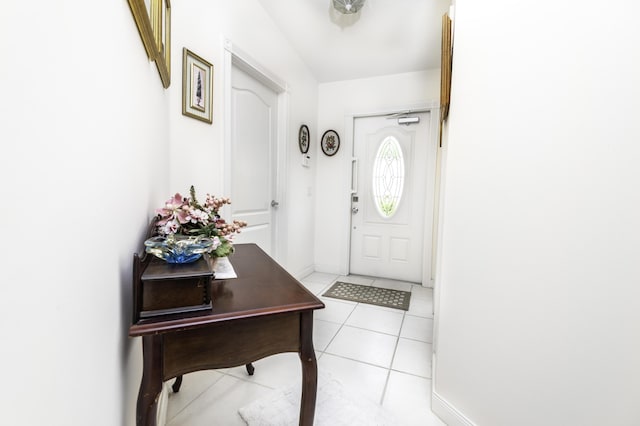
<point>263,287</point>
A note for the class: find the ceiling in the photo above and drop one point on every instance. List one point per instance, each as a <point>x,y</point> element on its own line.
<point>384,37</point>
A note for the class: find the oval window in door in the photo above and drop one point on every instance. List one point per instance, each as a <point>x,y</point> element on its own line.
<point>388,177</point>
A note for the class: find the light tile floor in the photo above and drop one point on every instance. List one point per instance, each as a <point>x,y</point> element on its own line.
<point>383,354</point>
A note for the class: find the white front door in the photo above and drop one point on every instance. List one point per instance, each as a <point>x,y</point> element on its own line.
<point>254,118</point>
<point>388,203</point>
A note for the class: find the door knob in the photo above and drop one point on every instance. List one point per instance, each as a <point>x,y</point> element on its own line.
<point>354,210</point>
<point>274,203</point>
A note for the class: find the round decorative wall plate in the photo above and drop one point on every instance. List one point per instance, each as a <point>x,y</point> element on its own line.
<point>330,142</point>
<point>303,139</point>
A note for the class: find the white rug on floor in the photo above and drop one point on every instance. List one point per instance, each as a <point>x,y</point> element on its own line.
<point>335,406</point>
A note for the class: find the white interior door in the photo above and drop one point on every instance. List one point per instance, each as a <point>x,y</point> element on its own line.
<point>388,203</point>
<point>254,118</point>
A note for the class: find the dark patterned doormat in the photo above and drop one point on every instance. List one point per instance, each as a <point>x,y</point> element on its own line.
<point>372,295</point>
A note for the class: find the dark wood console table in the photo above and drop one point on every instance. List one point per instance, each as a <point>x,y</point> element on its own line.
<point>263,312</point>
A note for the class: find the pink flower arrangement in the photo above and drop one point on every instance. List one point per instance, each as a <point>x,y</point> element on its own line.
<point>186,216</point>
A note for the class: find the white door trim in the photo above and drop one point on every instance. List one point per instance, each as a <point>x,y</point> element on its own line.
<point>233,56</point>
<point>434,109</point>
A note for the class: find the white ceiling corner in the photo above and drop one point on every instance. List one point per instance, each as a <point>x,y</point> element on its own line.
<point>384,37</point>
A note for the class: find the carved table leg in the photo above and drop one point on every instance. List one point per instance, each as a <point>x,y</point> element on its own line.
<point>250,368</point>
<point>151,383</point>
<point>309,370</point>
<point>176,385</point>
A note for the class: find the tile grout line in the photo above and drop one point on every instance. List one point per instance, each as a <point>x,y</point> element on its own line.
<point>372,331</point>
<point>395,350</point>
<point>169,420</point>
<point>341,324</point>
<point>357,360</point>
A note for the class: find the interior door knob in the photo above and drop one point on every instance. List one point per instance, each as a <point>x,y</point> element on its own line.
<point>354,210</point>
<point>274,203</point>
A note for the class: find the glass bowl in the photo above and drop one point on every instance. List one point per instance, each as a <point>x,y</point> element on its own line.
<point>178,248</point>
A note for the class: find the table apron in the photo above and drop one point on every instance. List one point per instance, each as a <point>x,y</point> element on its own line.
<point>229,344</point>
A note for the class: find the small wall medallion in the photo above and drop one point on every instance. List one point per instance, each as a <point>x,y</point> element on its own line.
<point>330,142</point>
<point>303,139</point>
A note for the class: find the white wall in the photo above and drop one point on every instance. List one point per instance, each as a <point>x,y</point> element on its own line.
<point>197,150</point>
<point>337,100</point>
<point>92,144</point>
<point>84,162</point>
<point>539,283</point>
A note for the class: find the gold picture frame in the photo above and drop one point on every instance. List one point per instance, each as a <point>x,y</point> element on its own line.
<point>161,26</point>
<point>141,10</point>
<point>197,87</point>
<point>153,19</point>
<point>446,63</point>
<point>445,67</point>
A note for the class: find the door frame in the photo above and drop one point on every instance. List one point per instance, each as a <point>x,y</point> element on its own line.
<point>234,56</point>
<point>428,274</point>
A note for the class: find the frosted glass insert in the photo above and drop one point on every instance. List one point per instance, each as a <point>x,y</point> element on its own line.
<point>388,177</point>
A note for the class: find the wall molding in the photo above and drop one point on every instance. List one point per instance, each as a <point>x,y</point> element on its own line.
<point>304,272</point>
<point>442,408</point>
<point>447,412</point>
<point>246,63</point>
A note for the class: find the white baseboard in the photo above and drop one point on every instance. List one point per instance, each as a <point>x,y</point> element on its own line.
<point>329,269</point>
<point>304,272</point>
<point>448,413</point>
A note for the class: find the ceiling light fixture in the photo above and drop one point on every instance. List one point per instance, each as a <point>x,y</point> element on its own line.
<point>348,6</point>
